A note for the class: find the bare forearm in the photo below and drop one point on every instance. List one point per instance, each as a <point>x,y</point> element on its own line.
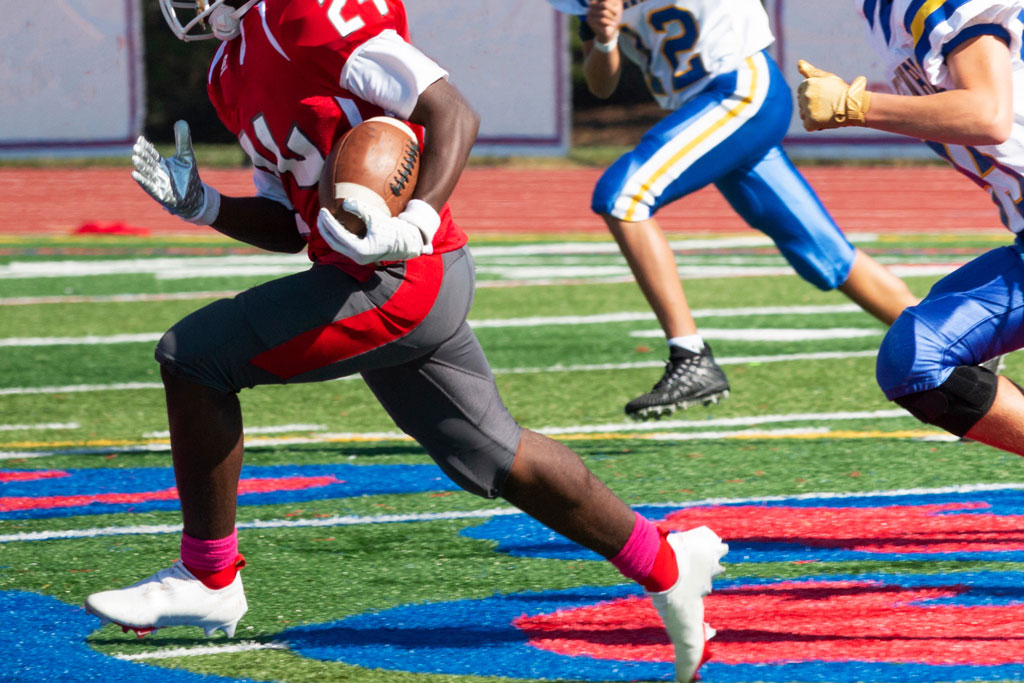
<point>602,61</point>
<point>960,117</point>
<point>260,222</point>
<point>451,128</point>
<point>602,70</point>
<point>978,111</point>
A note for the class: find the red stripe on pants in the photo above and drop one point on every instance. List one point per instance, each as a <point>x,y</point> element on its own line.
<point>362,332</point>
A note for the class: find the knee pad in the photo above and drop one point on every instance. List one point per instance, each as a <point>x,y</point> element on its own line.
<point>957,404</point>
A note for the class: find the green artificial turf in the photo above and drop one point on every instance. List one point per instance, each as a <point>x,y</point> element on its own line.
<point>62,408</point>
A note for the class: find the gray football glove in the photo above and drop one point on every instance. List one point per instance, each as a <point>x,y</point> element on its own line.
<point>175,182</point>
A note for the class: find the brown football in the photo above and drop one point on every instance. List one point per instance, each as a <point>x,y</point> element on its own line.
<point>378,162</point>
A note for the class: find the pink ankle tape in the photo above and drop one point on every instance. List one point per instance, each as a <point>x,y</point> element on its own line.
<point>636,559</point>
<point>209,556</point>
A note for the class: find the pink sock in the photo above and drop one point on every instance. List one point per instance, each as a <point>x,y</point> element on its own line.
<point>209,557</point>
<point>636,559</point>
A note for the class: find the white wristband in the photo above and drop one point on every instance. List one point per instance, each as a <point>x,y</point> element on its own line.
<point>612,43</point>
<point>425,218</point>
<point>211,207</point>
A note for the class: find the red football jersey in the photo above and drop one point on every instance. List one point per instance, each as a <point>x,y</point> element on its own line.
<point>279,88</point>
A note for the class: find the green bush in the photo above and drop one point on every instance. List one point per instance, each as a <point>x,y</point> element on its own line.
<point>176,83</point>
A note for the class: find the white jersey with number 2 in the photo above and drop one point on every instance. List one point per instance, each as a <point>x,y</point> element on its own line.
<point>680,46</point>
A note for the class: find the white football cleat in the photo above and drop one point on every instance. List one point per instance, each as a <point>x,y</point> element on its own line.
<point>171,597</point>
<point>681,607</point>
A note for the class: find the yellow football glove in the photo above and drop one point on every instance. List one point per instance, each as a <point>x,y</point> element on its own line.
<point>827,101</point>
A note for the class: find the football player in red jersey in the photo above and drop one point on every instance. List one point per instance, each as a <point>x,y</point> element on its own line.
<point>290,77</point>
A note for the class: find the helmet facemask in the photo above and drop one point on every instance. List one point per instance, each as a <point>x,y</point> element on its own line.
<point>212,19</point>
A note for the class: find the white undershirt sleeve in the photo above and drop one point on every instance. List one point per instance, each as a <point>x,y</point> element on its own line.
<point>389,72</point>
<point>270,186</point>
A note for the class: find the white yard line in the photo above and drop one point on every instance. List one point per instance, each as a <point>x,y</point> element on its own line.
<point>170,653</point>
<point>551,276</point>
<point>734,434</point>
<point>762,334</point>
<point>354,520</point>
<point>773,334</point>
<point>161,268</point>
<point>645,316</point>
<point>79,388</point>
<point>39,427</point>
<point>773,310</point>
<point>337,520</point>
<point>270,429</point>
<point>541,277</point>
<point>622,428</point>
<point>492,323</point>
<point>733,360</point>
<point>120,449</point>
<point>174,266</point>
<point>609,247</point>
<point>665,424</point>
<point>727,360</point>
<point>489,262</point>
<point>111,298</point>
<point>88,340</point>
<point>487,323</point>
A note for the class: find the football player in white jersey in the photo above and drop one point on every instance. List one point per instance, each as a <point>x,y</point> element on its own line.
<point>958,84</point>
<point>729,108</point>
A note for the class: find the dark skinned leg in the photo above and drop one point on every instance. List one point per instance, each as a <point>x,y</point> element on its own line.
<point>206,447</point>
<point>549,482</point>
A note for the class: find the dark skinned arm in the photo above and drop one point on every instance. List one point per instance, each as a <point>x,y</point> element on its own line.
<point>451,126</point>
<point>261,222</point>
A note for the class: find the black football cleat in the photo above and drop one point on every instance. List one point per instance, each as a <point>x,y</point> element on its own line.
<point>690,379</point>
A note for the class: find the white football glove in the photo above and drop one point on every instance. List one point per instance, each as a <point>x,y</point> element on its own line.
<point>398,238</point>
<point>175,182</point>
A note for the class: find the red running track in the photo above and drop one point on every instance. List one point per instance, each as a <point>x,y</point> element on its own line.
<point>515,200</point>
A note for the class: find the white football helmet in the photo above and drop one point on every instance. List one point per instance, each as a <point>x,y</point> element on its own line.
<point>212,19</point>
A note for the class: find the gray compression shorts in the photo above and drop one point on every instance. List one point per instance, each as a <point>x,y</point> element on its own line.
<point>404,330</point>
